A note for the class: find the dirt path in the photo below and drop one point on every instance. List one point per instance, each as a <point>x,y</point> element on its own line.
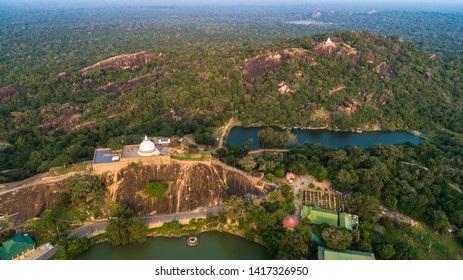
<point>256,181</point>
<point>39,179</point>
<point>258,151</point>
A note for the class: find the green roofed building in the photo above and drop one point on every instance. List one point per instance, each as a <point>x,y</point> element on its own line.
<point>16,246</point>
<point>329,254</point>
<point>319,216</point>
<point>348,221</point>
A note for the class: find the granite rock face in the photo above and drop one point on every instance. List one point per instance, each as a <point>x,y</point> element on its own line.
<point>122,62</point>
<point>190,186</point>
<point>31,202</point>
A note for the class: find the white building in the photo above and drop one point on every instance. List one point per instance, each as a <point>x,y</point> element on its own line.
<point>147,148</point>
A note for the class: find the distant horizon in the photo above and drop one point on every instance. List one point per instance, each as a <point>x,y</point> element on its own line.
<point>424,5</point>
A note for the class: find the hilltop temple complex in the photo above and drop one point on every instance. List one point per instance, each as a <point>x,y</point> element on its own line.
<point>146,152</point>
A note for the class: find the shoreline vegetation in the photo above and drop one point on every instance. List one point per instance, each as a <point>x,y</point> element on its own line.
<point>100,238</point>
<point>174,229</point>
<point>327,128</point>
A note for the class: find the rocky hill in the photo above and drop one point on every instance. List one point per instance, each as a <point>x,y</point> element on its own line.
<point>192,185</point>
<point>122,62</point>
<point>356,81</point>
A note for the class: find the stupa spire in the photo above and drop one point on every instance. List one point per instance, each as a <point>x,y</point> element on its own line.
<point>329,41</point>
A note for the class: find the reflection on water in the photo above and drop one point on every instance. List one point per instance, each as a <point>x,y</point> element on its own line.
<point>238,136</point>
<point>212,246</point>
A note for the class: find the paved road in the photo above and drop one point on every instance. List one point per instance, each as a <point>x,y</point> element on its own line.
<point>48,254</point>
<point>151,221</point>
<point>43,252</point>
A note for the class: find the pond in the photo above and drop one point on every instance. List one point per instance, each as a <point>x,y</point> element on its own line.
<point>212,246</point>
<point>337,139</point>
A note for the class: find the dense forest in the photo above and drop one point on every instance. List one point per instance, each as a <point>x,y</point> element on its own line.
<point>208,69</point>
<point>187,73</point>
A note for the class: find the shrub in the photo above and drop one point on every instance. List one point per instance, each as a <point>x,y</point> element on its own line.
<point>270,176</point>
<point>156,189</point>
<point>337,238</point>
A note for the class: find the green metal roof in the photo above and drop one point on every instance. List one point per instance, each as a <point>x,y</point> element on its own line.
<point>328,254</point>
<point>348,221</point>
<point>16,246</point>
<point>319,216</point>
<point>305,212</point>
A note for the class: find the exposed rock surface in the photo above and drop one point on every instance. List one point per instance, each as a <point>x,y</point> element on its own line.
<point>348,52</point>
<point>62,77</point>
<point>385,70</point>
<point>317,13</point>
<point>130,85</point>
<point>122,62</point>
<point>299,52</point>
<point>324,49</point>
<point>8,91</point>
<point>31,202</point>
<point>191,186</point>
<point>66,120</point>
<point>262,65</point>
<point>87,125</point>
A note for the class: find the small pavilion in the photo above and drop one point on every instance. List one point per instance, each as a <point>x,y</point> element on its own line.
<point>16,247</point>
<point>290,222</point>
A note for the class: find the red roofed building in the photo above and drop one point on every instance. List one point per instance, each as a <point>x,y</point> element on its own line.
<point>290,222</point>
<point>290,177</point>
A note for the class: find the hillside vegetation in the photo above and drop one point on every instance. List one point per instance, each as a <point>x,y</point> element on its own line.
<point>363,81</point>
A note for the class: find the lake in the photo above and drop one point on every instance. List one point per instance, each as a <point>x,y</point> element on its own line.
<point>337,139</point>
<point>212,246</point>
<point>308,22</point>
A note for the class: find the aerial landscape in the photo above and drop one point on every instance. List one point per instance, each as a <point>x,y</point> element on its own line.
<point>261,131</point>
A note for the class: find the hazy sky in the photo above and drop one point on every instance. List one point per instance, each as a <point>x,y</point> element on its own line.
<point>384,5</point>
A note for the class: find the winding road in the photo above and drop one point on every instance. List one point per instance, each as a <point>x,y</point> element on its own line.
<point>152,221</point>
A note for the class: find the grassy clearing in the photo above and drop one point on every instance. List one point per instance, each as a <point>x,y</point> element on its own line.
<point>425,242</point>
<point>201,156</point>
<point>60,170</point>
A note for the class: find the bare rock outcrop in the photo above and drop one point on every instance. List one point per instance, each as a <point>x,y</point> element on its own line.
<point>8,91</point>
<point>317,13</point>
<point>262,65</point>
<point>31,202</point>
<point>349,53</point>
<point>299,52</point>
<point>122,62</point>
<point>91,125</point>
<point>62,77</point>
<point>130,85</point>
<point>66,120</point>
<point>385,70</point>
<point>191,186</point>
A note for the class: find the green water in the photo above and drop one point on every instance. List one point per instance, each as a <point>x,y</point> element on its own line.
<point>337,139</point>
<point>212,246</point>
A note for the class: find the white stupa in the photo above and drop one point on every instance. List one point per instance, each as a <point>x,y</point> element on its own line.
<point>147,148</point>
<point>329,41</point>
